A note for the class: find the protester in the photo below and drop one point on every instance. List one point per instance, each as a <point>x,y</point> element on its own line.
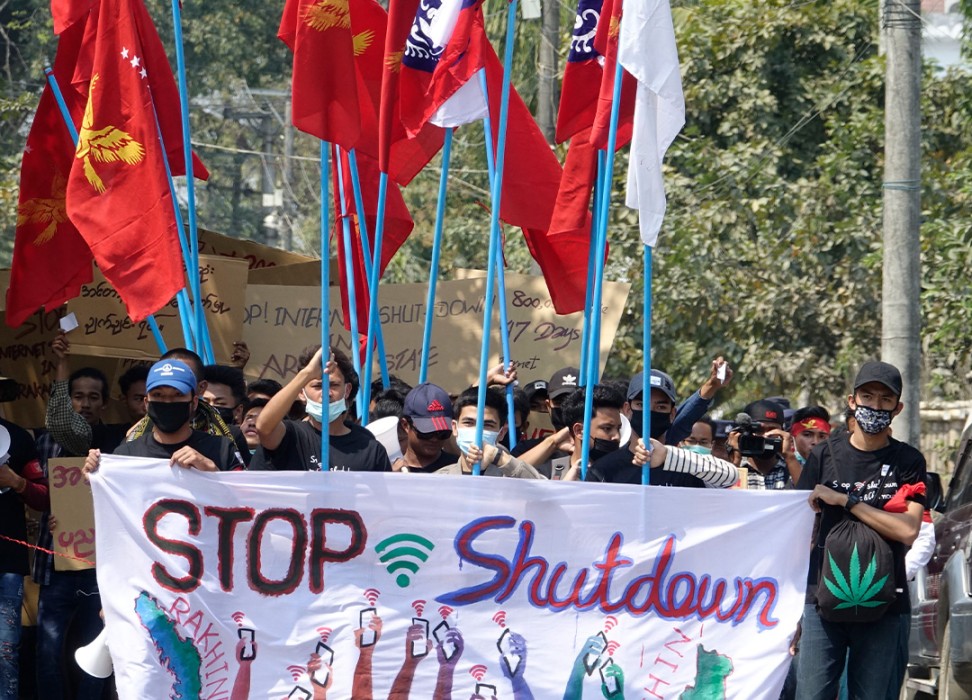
<point>427,418</point>
<point>225,391</point>
<point>702,437</point>
<point>766,470</point>
<point>296,445</point>
<point>22,482</point>
<point>251,409</point>
<point>861,473</point>
<point>493,458</point>
<point>132,385</point>
<point>536,393</point>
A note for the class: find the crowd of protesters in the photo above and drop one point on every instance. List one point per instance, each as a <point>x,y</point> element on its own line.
<point>209,418</point>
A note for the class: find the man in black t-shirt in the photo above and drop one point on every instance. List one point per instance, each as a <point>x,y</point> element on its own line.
<point>291,445</point>
<point>859,474</point>
<point>171,402</point>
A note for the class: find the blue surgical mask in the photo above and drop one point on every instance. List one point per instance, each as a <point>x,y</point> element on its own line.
<point>466,437</point>
<point>698,449</point>
<point>335,409</point>
<point>316,410</point>
<point>313,408</point>
<point>800,458</point>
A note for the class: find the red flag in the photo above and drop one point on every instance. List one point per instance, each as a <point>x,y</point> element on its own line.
<point>399,156</point>
<point>582,75</point>
<point>606,43</point>
<point>67,12</point>
<point>398,226</point>
<point>325,94</point>
<point>50,260</point>
<point>117,192</point>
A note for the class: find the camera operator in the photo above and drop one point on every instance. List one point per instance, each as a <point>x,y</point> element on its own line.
<point>759,443</point>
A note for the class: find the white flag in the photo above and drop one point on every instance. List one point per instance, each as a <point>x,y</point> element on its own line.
<point>647,50</point>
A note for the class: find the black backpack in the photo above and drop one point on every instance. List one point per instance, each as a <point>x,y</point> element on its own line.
<point>857,581</point>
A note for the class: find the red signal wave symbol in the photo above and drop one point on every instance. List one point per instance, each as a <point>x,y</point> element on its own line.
<point>500,618</point>
<point>371,595</point>
<point>296,671</point>
<point>610,622</point>
<point>238,618</point>
<point>478,672</point>
<point>325,633</point>
<point>445,611</point>
<point>419,607</point>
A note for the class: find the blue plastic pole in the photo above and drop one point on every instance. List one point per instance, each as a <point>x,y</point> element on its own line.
<point>373,282</point>
<point>366,256</point>
<point>325,301</point>
<point>73,131</point>
<point>594,359</point>
<point>589,290</point>
<point>201,334</point>
<point>349,271</point>
<point>496,197</point>
<point>646,342</point>
<point>436,253</point>
<point>500,274</point>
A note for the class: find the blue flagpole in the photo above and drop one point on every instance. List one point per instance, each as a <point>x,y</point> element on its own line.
<point>204,347</point>
<point>589,289</point>
<point>73,131</point>
<point>366,255</point>
<point>500,272</point>
<point>325,301</point>
<point>594,360</point>
<point>496,197</point>
<point>349,271</point>
<point>436,252</point>
<point>376,267</point>
<point>646,343</point>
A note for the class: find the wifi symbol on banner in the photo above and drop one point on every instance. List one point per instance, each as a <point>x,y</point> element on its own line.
<point>405,552</point>
<point>445,611</point>
<point>296,671</point>
<point>613,646</point>
<point>478,672</point>
<point>325,633</point>
<point>371,595</point>
<point>500,618</point>
<point>238,618</point>
<point>610,622</point>
<point>419,607</point>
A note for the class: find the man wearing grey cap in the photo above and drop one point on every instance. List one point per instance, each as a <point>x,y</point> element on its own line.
<point>870,478</point>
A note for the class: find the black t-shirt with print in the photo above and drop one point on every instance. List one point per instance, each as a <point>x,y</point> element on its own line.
<point>300,449</point>
<point>222,450</point>
<point>841,466</point>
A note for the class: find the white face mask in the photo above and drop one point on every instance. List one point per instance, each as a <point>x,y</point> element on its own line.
<point>466,437</point>
<point>316,410</point>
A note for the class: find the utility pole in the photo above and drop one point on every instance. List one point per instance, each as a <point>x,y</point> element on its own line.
<point>547,98</point>
<point>901,279</point>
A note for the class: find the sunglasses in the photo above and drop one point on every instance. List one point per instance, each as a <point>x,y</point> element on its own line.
<point>434,435</point>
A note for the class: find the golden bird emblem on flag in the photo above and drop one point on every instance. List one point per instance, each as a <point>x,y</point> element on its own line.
<point>614,27</point>
<point>50,211</point>
<point>362,41</point>
<point>327,14</point>
<point>393,61</point>
<point>107,145</point>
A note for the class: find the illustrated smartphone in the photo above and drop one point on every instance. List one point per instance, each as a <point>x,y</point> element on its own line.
<point>448,648</point>
<point>593,661</point>
<point>319,677</point>
<point>511,660</point>
<point>486,690</point>
<point>610,682</point>
<point>299,693</point>
<point>420,647</point>
<point>248,652</point>
<point>364,620</point>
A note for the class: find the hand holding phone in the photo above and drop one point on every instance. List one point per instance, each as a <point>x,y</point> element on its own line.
<point>248,650</point>
<point>418,633</point>
<point>595,647</point>
<point>612,679</point>
<point>448,639</point>
<point>322,668</point>
<point>369,634</point>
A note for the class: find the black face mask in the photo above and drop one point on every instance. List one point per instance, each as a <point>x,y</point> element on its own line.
<point>660,423</point>
<point>226,413</point>
<point>169,417</point>
<point>601,448</point>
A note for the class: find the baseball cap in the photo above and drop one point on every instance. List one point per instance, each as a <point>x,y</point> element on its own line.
<point>658,380</point>
<point>535,387</point>
<point>564,381</point>
<point>429,408</point>
<point>880,372</point>
<point>172,373</point>
<point>765,411</point>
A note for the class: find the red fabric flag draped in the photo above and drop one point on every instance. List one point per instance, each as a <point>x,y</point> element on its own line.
<point>398,226</point>
<point>50,260</point>
<point>117,192</point>
<point>582,74</point>
<point>325,94</point>
<point>399,156</point>
<point>606,43</point>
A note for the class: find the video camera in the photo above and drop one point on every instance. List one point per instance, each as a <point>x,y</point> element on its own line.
<point>751,442</point>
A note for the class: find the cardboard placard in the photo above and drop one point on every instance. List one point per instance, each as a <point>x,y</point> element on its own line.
<point>306,274</point>
<point>72,507</point>
<point>106,330</point>
<point>26,355</point>
<point>280,321</point>
<point>256,255</point>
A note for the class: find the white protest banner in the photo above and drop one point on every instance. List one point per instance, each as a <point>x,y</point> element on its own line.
<point>347,584</point>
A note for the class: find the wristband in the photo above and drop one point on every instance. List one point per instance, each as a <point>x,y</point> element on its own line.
<point>852,500</point>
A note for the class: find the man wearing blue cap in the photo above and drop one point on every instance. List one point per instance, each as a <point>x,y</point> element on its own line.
<point>170,403</point>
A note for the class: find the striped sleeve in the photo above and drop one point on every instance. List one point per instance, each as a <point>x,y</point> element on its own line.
<point>716,473</point>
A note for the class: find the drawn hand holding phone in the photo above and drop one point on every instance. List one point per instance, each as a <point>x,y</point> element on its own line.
<point>369,629</point>
<point>513,652</point>
<point>319,665</point>
<point>449,644</point>
<point>417,642</point>
<point>246,647</point>
<point>593,652</point>
<point>612,680</point>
